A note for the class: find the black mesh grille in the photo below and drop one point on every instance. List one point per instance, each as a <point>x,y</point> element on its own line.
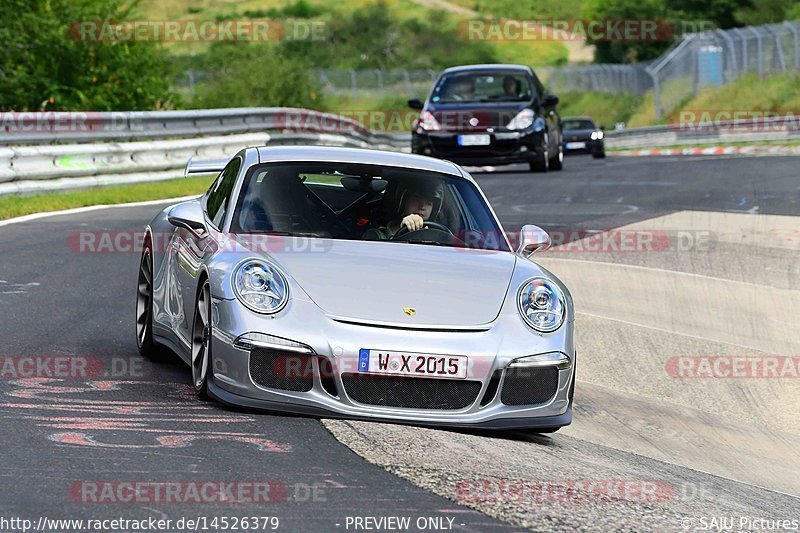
<point>529,386</point>
<point>415,393</point>
<point>281,370</point>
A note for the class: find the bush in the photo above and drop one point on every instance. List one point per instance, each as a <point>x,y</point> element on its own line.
<point>46,67</point>
<point>372,37</point>
<point>254,75</point>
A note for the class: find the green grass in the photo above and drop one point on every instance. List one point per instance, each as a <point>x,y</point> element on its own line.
<point>565,9</point>
<point>606,109</point>
<point>715,144</point>
<point>748,94</point>
<point>530,53</point>
<point>15,206</point>
<point>778,94</point>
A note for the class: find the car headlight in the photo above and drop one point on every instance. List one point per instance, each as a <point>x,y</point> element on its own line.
<point>260,287</point>
<point>541,304</point>
<point>597,135</point>
<point>428,122</point>
<point>522,121</point>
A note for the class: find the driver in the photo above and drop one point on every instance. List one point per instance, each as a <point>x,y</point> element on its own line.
<point>419,201</point>
<point>511,87</point>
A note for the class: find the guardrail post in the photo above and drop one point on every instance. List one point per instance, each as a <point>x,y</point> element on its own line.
<point>656,94</point>
<point>743,39</point>
<point>793,29</point>
<point>759,51</point>
<point>729,42</point>
<point>353,84</point>
<point>778,47</point>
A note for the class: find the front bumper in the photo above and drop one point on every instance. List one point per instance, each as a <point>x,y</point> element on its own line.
<point>334,359</point>
<point>505,148</point>
<point>592,146</point>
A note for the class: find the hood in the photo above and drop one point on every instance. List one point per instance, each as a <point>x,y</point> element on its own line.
<point>577,135</point>
<point>375,281</point>
<point>457,116</point>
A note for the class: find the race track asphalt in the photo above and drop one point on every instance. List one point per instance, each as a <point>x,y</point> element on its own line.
<point>129,420</point>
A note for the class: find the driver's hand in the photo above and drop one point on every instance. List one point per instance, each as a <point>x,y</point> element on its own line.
<point>413,222</point>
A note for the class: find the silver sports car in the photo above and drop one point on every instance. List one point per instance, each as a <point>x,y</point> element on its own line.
<point>360,284</point>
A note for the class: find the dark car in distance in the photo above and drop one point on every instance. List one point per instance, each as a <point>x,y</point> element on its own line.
<point>489,115</point>
<point>581,135</point>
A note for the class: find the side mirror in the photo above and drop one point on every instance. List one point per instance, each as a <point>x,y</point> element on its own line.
<point>416,103</point>
<point>532,239</point>
<point>550,100</point>
<point>188,215</point>
<point>602,127</point>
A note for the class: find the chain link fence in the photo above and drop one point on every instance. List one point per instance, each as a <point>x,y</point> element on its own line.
<point>719,57</point>
<point>417,83</point>
<point>375,82</point>
<point>606,78</point>
<point>697,60</point>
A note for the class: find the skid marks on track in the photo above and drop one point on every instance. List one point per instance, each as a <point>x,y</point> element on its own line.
<point>177,420</point>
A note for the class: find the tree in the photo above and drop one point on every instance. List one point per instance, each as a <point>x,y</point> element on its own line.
<point>46,65</point>
<point>627,51</point>
<point>255,75</point>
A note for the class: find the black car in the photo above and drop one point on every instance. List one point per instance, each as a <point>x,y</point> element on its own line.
<point>489,115</point>
<point>582,136</point>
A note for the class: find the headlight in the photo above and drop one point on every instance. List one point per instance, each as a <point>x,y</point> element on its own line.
<point>260,287</point>
<point>597,135</point>
<point>541,304</point>
<point>522,121</point>
<point>428,122</point>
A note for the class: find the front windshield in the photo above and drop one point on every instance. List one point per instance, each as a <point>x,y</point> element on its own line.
<point>577,124</point>
<point>365,202</point>
<point>482,87</point>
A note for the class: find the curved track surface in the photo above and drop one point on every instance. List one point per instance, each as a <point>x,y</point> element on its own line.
<point>687,449</point>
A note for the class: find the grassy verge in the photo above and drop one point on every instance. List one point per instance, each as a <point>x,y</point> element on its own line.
<point>14,206</point>
<point>718,144</point>
<point>606,109</point>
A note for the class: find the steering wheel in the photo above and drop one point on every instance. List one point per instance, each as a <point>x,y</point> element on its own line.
<point>425,226</point>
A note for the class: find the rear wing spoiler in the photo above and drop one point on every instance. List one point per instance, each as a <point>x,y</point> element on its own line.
<point>214,166</point>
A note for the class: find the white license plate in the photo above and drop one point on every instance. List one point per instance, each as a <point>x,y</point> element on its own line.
<point>412,364</point>
<point>474,140</point>
<point>576,146</point>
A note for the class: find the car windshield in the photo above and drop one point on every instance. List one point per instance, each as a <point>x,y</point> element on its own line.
<point>577,124</point>
<point>365,202</point>
<point>482,87</point>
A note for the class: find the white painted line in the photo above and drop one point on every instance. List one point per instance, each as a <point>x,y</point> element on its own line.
<point>654,269</point>
<point>669,331</point>
<point>37,216</point>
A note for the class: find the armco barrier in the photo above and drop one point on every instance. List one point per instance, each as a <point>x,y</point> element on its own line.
<point>37,154</point>
<point>55,167</point>
<point>92,127</point>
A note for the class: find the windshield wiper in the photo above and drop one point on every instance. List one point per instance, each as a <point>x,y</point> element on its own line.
<point>289,233</point>
<point>432,243</point>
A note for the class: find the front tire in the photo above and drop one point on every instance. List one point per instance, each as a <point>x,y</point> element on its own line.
<point>557,162</point>
<point>201,341</point>
<point>144,306</point>
<point>543,163</point>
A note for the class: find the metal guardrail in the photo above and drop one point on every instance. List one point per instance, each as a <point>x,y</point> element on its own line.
<point>110,148</point>
<point>26,169</point>
<point>88,126</point>
<point>771,129</point>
